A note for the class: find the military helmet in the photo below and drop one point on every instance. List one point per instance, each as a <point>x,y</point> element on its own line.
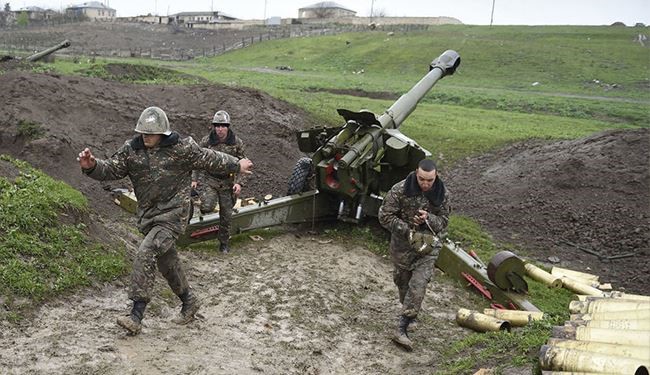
<point>221,117</point>
<point>153,120</point>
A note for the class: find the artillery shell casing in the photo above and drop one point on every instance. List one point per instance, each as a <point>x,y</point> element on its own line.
<point>604,305</point>
<point>542,276</point>
<point>611,336</point>
<point>517,318</point>
<point>622,295</point>
<point>626,351</point>
<point>562,359</point>
<point>559,272</point>
<point>580,288</point>
<point>624,324</point>
<point>480,322</point>
<point>614,315</point>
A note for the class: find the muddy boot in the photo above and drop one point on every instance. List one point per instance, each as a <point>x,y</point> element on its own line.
<point>133,322</point>
<point>401,337</point>
<point>413,325</point>
<point>191,305</point>
<point>224,248</point>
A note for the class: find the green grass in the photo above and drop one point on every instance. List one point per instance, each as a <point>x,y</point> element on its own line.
<point>30,130</point>
<point>44,250</point>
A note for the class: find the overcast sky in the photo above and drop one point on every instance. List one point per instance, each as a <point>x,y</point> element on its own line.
<point>475,12</point>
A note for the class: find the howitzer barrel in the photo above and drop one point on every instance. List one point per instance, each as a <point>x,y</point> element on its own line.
<point>445,64</point>
<point>49,51</point>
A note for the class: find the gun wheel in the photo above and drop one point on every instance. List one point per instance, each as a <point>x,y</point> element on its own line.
<point>299,176</point>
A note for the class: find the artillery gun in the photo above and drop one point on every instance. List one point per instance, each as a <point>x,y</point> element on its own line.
<point>352,165</point>
<point>43,54</point>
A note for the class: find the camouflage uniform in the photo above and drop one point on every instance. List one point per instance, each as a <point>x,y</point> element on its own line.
<point>161,182</point>
<point>217,187</point>
<point>412,271</point>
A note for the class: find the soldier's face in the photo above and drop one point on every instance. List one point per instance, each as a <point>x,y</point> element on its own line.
<point>151,140</point>
<point>222,131</point>
<point>425,179</point>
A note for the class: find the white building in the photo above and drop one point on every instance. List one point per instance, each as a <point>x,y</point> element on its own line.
<point>94,10</point>
<point>325,9</point>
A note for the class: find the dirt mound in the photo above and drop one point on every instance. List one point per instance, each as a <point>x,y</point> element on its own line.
<point>140,73</point>
<point>76,112</point>
<point>584,201</point>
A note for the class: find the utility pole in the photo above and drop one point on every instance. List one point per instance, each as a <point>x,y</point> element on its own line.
<point>372,6</point>
<point>265,1</point>
<point>492,16</point>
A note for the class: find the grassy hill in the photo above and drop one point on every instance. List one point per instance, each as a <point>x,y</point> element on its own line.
<point>514,82</point>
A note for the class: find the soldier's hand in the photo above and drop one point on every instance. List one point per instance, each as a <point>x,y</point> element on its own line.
<point>86,159</point>
<point>236,189</point>
<point>420,217</point>
<point>245,166</point>
<point>195,184</point>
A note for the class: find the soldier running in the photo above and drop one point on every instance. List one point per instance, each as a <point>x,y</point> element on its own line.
<point>414,207</point>
<point>159,163</point>
<point>221,187</point>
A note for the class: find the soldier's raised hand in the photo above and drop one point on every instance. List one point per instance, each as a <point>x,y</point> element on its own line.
<point>245,166</point>
<point>86,159</point>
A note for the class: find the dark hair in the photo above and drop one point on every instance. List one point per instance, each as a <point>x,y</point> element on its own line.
<point>427,165</point>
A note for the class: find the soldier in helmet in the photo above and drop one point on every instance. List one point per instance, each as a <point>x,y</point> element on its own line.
<point>159,164</point>
<point>220,187</point>
<point>413,208</point>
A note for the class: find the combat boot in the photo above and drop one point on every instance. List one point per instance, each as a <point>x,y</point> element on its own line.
<point>133,322</point>
<point>413,326</point>
<point>401,337</point>
<point>224,248</point>
<point>191,305</point>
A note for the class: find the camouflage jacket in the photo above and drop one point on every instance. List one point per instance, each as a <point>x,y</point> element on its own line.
<point>161,177</point>
<point>402,203</point>
<point>234,146</point>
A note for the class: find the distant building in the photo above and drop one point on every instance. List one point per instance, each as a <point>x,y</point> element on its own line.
<point>149,18</point>
<point>191,18</point>
<point>35,13</point>
<point>325,9</point>
<point>94,10</point>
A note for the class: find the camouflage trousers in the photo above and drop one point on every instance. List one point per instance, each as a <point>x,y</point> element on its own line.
<point>412,281</point>
<point>209,198</point>
<point>157,249</point>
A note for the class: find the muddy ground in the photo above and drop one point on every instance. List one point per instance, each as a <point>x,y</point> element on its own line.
<point>302,303</point>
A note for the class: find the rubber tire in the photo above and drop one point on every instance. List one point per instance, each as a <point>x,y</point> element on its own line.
<point>299,176</point>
